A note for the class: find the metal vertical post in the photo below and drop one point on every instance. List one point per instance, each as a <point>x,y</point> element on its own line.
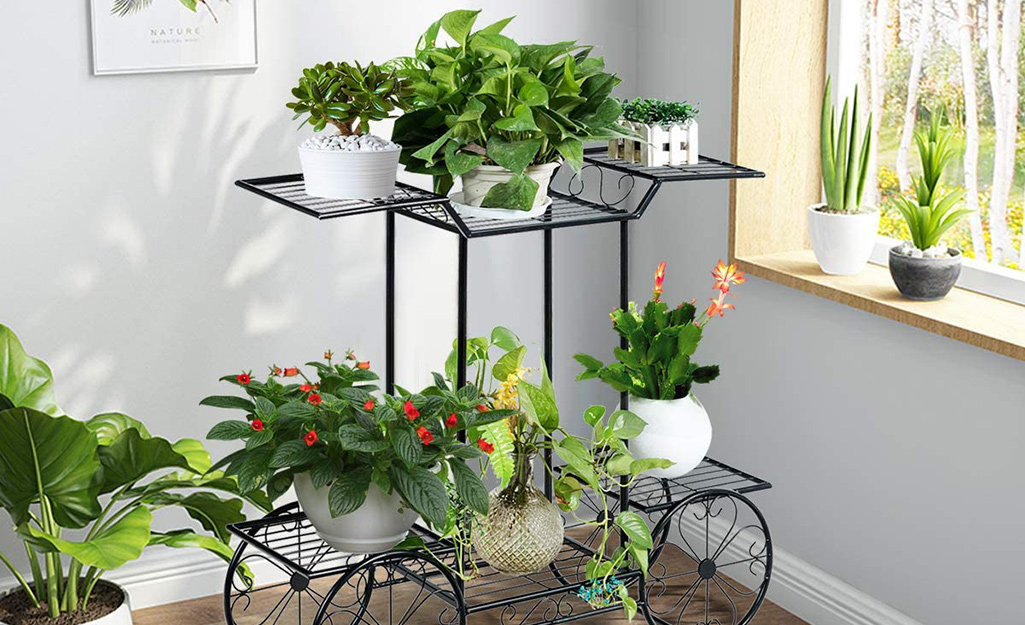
<point>461,314</point>
<point>389,302</point>
<point>549,357</point>
<point>624,302</point>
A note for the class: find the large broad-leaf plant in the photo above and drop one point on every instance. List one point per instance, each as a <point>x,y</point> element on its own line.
<point>106,477</point>
<point>483,99</point>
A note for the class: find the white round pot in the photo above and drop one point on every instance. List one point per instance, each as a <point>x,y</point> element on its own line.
<point>378,525</point>
<point>479,180</point>
<point>344,175</point>
<point>677,430</point>
<point>842,242</point>
<point>122,615</point>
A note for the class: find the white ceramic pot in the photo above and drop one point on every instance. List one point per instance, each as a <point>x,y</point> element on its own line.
<point>344,175</point>
<point>842,242</point>
<point>677,430</point>
<point>120,616</point>
<point>479,180</point>
<point>378,525</point>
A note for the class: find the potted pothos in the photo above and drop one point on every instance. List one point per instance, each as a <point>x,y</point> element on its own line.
<point>501,115</point>
<point>657,370</point>
<point>522,531</point>
<point>843,229</point>
<point>667,133</point>
<point>104,479</point>
<point>925,269</point>
<point>352,163</point>
<point>364,465</point>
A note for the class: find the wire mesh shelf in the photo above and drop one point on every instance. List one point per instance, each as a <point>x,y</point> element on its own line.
<point>706,169</point>
<point>290,191</point>
<point>650,494</point>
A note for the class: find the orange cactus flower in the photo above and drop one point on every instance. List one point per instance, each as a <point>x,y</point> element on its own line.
<point>660,277</point>
<point>310,438</point>
<point>718,307</point>
<point>726,275</point>
<point>363,365</point>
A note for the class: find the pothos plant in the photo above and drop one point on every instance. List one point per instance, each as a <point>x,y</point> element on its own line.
<point>333,426</point>
<point>483,99</point>
<point>656,363</point>
<point>105,477</point>
<point>590,466</point>
<point>348,96</point>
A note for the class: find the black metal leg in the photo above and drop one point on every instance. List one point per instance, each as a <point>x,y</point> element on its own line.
<point>549,357</point>
<point>389,304</point>
<point>461,314</point>
<point>624,302</point>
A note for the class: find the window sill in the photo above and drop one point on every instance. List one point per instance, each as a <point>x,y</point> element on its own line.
<point>972,318</point>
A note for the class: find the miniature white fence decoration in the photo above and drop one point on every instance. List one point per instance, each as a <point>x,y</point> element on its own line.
<point>658,145</point>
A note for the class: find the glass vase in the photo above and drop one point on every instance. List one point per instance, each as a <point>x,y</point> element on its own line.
<point>523,530</point>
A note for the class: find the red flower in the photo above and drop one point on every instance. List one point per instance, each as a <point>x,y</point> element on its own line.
<point>243,379</point>
<point>451,420</point>
<point>310,438</point>
<point>257,425</point>
<point>349,355</point>
<point>369,405</point>
<point>306,388</point>
<point>316,386</point>
<point>363,365</point>
<point>482,408</point>
<point>411,411</point>
<point>424,435</point>
<point>291,372</point>
<point>660,276</point>
<point>485,446</point>
<point>328,354</point>
<point>314,399</point>
<point>275,370</point>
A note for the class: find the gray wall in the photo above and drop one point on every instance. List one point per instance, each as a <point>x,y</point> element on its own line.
<point>897,456</point>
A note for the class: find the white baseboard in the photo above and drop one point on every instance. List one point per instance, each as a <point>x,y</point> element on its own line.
<point>801,588</point>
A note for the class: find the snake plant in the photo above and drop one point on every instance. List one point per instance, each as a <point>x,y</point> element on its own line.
<point>845,154</point>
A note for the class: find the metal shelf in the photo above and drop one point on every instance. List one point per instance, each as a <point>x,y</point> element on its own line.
<point>650,494</point>
<point>706,169</point>
<point>289,190</point>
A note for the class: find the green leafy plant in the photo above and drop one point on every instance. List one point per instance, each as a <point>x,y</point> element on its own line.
<point>930,214</point>
<point>653,111</point>
<point>656,364</point>
<point>485,99</point>
<point>591,466</point>
<point>845,154</point>
<point>335,428</point>
<point>106,477</point>
<point>348,97</point>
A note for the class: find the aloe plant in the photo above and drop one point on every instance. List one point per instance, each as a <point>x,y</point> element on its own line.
<point>845,154</point>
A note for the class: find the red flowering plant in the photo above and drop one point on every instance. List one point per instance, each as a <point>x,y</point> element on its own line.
<point>656,364</point>
<point>336,426</point>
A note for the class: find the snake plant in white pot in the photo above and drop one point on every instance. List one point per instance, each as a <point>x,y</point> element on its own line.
<point>843,229</point>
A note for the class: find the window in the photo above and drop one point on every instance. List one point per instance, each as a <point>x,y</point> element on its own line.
<point>961,59</point>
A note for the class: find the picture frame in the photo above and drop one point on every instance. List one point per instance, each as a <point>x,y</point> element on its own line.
<point>158,36</point>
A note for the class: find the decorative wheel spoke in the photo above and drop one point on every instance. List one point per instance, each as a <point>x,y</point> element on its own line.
<point>731,532</point>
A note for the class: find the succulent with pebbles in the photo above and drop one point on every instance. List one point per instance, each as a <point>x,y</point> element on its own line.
<point>349,143</point>
<point>348,97</point>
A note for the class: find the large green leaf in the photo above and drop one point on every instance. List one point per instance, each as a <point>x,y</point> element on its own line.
<point>635,529</point>
<point>187,539</point>
<point>517,194</point>
<point>458,24</point>
<point>424,491</point>
<point>212,512</point>
<point>349,491</point>
<point>214,480</point>
<point>513,155</point>
<point>121,542</point>
<point>131,458</point>
<point>110,425</point>
<point>539,406</point>
<point>509,363</point>
<point>24,380</point>
<point>57,455</point>
<point>469,486</point>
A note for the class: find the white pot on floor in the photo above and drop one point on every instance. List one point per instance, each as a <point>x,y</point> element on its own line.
<point>378,525</point>
<point>678,430</point>
<point>122,615</point>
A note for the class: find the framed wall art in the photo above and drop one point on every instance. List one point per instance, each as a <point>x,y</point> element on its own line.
<point>143,36</point>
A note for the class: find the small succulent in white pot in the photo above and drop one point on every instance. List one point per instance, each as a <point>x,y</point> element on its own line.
<point>843,229</point>
<point>352,163</point>
<point>924,269</point>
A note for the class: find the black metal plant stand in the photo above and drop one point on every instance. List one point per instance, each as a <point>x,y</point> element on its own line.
<point>707,532</point>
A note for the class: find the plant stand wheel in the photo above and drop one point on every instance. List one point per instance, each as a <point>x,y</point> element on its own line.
<point>721,542</point>
<point>394,587</point>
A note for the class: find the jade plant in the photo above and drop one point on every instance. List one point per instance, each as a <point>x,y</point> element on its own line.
<point>652,111</point>
<point>105,477</point>
<point>335,426</point>
<point>484,99</point>
<point>656,363</point>
<point>930,214</point>
<point>845,149</point>
<point>348,96</point>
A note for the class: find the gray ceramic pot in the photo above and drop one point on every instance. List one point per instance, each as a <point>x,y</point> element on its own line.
<point>924,279</point>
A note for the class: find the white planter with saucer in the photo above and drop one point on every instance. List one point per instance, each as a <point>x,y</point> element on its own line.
<point>378,525</point>
<point>842,242</point>
<point>678,430</point>
<point>479,180</point>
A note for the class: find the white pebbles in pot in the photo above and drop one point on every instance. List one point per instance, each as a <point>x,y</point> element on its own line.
<point>350,143</point>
